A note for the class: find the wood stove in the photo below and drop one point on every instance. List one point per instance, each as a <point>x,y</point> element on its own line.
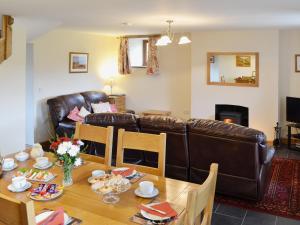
<point>232,114</point>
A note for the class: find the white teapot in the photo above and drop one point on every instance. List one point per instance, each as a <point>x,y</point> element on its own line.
<point>36,151</point>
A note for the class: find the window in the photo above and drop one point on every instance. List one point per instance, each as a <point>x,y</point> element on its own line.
<point>138,52</point>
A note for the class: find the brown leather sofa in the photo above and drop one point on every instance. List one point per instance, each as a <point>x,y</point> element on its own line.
<point>60,107</point>
<point>242,154</point>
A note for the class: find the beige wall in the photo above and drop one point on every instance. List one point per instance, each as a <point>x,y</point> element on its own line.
<point>262,101</point>
<point>289,80</point>
<point>12,92</point>
<point>169,90</point>
<point>51,69</point>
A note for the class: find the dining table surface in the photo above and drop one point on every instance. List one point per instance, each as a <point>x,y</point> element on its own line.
<point>80,201</point>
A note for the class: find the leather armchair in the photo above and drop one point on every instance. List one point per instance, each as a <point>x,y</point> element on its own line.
<point>242,154</point>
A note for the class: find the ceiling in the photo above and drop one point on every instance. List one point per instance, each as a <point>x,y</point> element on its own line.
<point>149,16</point>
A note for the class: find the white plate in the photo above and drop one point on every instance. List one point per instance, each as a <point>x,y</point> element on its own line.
<point>44,215</point>
<point>123,169</point>
<point>13,189</point>
<point>140,194</point>
<point>44,167</point>
<point>10,169</point>
<point>152,217</point>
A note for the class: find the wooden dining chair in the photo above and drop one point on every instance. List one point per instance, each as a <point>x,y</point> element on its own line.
<point>200,201</point>
<point>96,134</point>
<point>15,212</point>
<point>143,142</point>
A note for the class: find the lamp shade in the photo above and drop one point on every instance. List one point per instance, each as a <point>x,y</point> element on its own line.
<point>184,40</point>
<point>160,42</point>
<point>164,40</point>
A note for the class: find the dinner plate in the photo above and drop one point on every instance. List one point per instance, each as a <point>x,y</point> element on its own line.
<point>39,218</point>
<point>43,167</point>
<point>13,189</point>
<point>125,168</point>
<point>150,216</point>
<point>140,194</point>
<point>10,169</point>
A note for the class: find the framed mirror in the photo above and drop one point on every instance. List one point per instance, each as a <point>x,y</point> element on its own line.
<point>233,68</point>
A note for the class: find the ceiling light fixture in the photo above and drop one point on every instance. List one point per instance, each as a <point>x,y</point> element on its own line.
<point>168,37</point>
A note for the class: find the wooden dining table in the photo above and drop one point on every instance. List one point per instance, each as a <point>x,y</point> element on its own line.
<point>80,201</point>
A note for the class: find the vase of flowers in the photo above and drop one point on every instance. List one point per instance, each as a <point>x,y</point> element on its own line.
<point>67,151</point>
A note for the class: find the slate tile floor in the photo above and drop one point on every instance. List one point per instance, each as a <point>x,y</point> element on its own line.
<point>229,215</point>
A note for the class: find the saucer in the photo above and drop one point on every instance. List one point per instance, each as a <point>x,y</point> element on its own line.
<point>140,194</point>
<point>44,167</point>
<point>10,169</point>
<point>13,189</point>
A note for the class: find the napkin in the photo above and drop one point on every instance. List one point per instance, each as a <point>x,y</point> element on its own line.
<point>55,218</point>
<point>164,206</point>
<point>124,173</point>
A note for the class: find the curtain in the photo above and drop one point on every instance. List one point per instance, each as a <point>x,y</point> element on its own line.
<point>152,64</point>
<point>124,63</point>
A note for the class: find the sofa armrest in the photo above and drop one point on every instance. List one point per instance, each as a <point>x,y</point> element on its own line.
<point>266,154</point>
<point>130,111</point>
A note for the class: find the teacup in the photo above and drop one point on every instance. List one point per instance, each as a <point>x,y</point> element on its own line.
<point>98,173</point>
<point>42,161</point>
<point>19,182</point>
<point>8,163</point>
<point>146,187</point>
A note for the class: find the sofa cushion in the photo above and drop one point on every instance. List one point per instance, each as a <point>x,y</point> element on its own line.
<point>94,97</point>
<point>67,124</point>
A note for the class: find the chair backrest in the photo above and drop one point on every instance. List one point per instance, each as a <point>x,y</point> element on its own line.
<point>143,142</point>
<point>14,212</point>
<point>200,201</point>
<point>98,134</point>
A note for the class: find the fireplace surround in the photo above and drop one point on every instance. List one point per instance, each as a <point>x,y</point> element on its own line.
<point>232,114</point>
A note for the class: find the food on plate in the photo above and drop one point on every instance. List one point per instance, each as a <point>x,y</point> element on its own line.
<point>35,174</point>
<point>112,184</point>
<point>46,191</point>
<point>94,180</point>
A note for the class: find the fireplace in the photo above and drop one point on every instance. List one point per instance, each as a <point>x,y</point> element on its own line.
<point>232,114</point>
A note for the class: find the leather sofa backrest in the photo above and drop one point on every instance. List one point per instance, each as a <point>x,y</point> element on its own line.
<point>235,147</point>
<point>117,120</point>
<point>94,97</point>
<point>177,156</point>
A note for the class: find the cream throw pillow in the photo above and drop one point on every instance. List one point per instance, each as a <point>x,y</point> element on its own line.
<point>83,112</point>
<point>101,107</point>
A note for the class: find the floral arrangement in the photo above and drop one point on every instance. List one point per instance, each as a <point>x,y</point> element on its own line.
<point>67,150</point>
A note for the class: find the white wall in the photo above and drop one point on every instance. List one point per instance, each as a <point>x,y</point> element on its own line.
<point>12,92</point>
<point>51,69</point>
<point>169,90</point>
<point>29,96</point>
<point>262,101</point>
<point>289,80</point>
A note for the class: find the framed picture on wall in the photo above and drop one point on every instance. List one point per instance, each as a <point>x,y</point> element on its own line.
<point>297,63</point>
<point>78,62</point>
<point>243,61</point>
